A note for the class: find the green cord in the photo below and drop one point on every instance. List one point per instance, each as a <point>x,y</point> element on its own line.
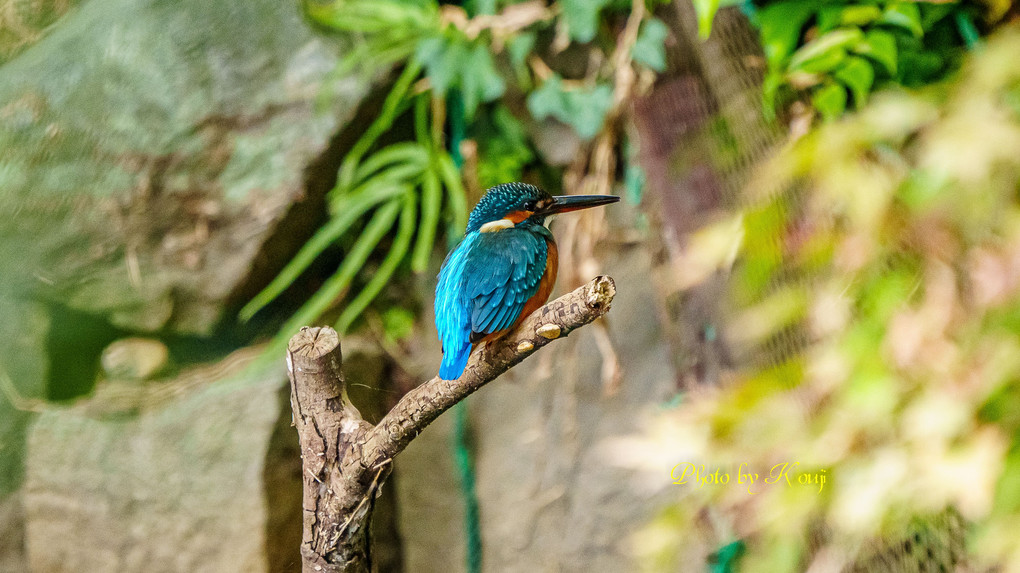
<point>466,471</point>
<point>968,31</point>
<point>726,558</point>
<point>461,448</point>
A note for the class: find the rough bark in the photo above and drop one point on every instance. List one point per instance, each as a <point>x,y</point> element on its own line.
<point>346,460</point>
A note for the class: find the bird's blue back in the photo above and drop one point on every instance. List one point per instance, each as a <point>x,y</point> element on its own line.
<point>483,286</point>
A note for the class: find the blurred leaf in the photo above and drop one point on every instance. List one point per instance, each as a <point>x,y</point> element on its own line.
<point>519,47</point>
<point>650,48</point>
<point>395,101</point>
<point>431,199</point>
<point>443,58</point>
<point>582,18</point>
<point>879,45</point>
<point>503,148</point>
<point>781,24</point>
<point>396,254</point>
<point>457,205</point>
<point>705,9</point>
<point>858,15</point>
<point>409,154</point>
<point>480,82</point>
<point>903,15</point>
<point>830,100</point>
<point>398,323</point>
<point>477,7</point>
<point>584,109</point>
<point>857,74</point>
<point>826,52</point>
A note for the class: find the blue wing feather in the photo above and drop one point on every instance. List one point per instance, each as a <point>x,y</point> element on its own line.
<point>483,286</point>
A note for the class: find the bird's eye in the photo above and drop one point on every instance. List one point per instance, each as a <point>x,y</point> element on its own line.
<point>529,206</point>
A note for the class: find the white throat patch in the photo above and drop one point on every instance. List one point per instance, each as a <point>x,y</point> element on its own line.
<point>497,225</point>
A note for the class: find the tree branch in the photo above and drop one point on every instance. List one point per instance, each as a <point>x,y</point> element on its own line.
<point>419,407</point>
<point>346,460</point>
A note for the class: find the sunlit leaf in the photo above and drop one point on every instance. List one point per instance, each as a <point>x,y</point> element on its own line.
<point>456,204</point>
<point>904,15</point>
<point>406,153</point>
<point>705,9</point>
<point>879,45</point>
<point>781,25</point>
<point>835,15</point>
<point>395,102</point>
<point>825,53</point>
<point>830,100</point>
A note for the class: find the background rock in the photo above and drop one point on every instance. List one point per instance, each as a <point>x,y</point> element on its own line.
<point>150,149</point>
<point>177,487</point>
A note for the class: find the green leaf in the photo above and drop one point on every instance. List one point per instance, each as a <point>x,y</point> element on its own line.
<point>932,13</point>
<point>650,47</point>
<point>770,92</point>
<point>395,101</point>
<point>431,201</point>
<point>479,80</point>
<point>401,243</point>
<point>880,46</point>
<point>360,201</point>
<point>781,24</point>
<point>582,18</point>
<point>335,285</point>
<point>832,16</point>
<point>444,67</point>
<point>830,100</point>
<point>825,53</point>
<point>477,7</point>
<point>457,205</point>
<point>904,15</point>
<point>519,47</point>
<point>407,153</point>
<point>422,135</point>
<point>858,75</point>
<point>705,9</point>
<point>584,109</point>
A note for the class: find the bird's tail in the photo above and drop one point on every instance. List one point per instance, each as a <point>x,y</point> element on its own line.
<point>454,361</point>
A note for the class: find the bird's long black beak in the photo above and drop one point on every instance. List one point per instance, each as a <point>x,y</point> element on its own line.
<point>567,203</point>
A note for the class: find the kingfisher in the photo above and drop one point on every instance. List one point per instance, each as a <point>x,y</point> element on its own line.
<point>503,269</point>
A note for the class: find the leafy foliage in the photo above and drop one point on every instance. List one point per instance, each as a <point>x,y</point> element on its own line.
<point>892,254</point>
<point>856,46</point>
<point>472,62</point>
<point>402,183</point>
<point>823,48</point>
<point>584,109</point>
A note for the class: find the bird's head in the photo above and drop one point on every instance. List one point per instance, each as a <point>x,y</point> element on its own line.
<point>507,205</point>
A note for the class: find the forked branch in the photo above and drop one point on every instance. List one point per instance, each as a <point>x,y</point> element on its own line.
<point>346,459</point>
